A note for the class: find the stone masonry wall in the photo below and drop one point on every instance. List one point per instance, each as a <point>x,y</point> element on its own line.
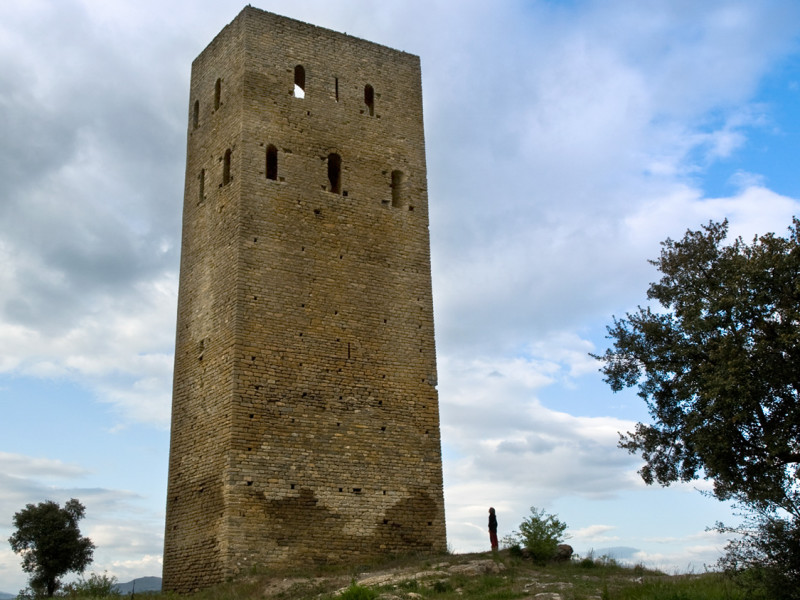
<point>305,412</point>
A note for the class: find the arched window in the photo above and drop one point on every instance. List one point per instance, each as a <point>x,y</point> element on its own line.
<point>196,114</point>
<point>398,188</point>
<point>335,172</point>
<point>217,94</point>
<point>299,82</point>
<point>201,178</point>
<point>226,167</point>
<point>369,99</point>
<point>272,162</point>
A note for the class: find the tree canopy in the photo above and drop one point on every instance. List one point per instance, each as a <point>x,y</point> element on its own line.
<point>718,366</point>
<point>50,542</point>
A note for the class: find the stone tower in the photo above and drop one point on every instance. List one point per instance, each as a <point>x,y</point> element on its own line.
<point>305,420</point>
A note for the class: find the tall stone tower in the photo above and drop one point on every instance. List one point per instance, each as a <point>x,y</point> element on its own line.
<point>305,420</point>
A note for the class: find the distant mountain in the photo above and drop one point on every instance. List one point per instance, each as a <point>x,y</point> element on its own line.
<point>138,585</point>
<point>4,596</point>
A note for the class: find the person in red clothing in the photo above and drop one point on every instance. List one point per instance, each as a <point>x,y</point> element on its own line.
<point>493,529</point>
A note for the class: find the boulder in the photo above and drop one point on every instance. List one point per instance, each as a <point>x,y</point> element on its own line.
<point>563,553</point>
<point>477,567</point>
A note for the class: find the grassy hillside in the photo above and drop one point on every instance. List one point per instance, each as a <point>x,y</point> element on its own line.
<point>476,576</point>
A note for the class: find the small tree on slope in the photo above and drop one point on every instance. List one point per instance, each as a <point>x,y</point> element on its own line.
<point>50,542</point>
<point>539,534</point>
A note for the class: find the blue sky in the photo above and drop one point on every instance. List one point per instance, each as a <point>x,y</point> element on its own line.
<point>565,140</point>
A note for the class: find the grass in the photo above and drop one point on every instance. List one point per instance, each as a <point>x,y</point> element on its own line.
<point>430,577</point>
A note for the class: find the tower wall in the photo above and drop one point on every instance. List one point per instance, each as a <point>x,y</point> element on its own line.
<point>305,413</point>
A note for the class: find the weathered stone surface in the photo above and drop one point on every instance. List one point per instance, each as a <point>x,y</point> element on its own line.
<point>558,585</point>
<point>563,552</point>
<point>305,421</point>
<point>396,577</point>
<point>477,567</point>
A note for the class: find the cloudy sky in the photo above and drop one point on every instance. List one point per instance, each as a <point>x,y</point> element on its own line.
<point>565,140</point>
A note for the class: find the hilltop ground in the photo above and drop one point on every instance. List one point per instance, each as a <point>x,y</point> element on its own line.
<point>476,576</point>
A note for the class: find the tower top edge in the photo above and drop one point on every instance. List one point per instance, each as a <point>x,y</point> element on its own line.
<point>251,12</point>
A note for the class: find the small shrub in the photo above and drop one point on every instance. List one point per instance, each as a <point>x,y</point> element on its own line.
<point>358,592</point>
<point>540,534</point>
<point>442,586</point>
<point>608,561</point>
<point>411,584</point>
<point>96,586</point>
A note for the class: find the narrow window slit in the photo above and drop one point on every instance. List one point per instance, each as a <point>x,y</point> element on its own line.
<point>369,99</point>
<point>226,167</point>
<point>335,173</point>
<point>299,82</point>
<point>272,162</point>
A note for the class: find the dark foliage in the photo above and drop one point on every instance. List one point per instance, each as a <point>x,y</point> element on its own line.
<point>765,558</point>
<point>50,542</point>
<point>719,368</point>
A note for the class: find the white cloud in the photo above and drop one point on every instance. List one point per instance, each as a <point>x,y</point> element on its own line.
<point>503,448</point>
<point>593,534</point>
<point>684,555</point>
<point>17,465</point>
<point>121,350</point>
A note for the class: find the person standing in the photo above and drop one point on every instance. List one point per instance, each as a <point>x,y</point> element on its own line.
<point>493,529</point>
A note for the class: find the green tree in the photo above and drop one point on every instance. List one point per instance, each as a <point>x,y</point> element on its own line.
<point>719,367</point>
<point>539,534</point>
<point>50,542</point>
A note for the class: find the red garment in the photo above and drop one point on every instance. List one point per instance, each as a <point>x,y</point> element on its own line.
<point>493,539</point>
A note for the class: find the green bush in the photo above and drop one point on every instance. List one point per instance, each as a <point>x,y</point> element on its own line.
<point>765,559</point>
<point>96,586</point>
<point>358,592</point>
<point>539,534</point>
<point>411,584</point>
